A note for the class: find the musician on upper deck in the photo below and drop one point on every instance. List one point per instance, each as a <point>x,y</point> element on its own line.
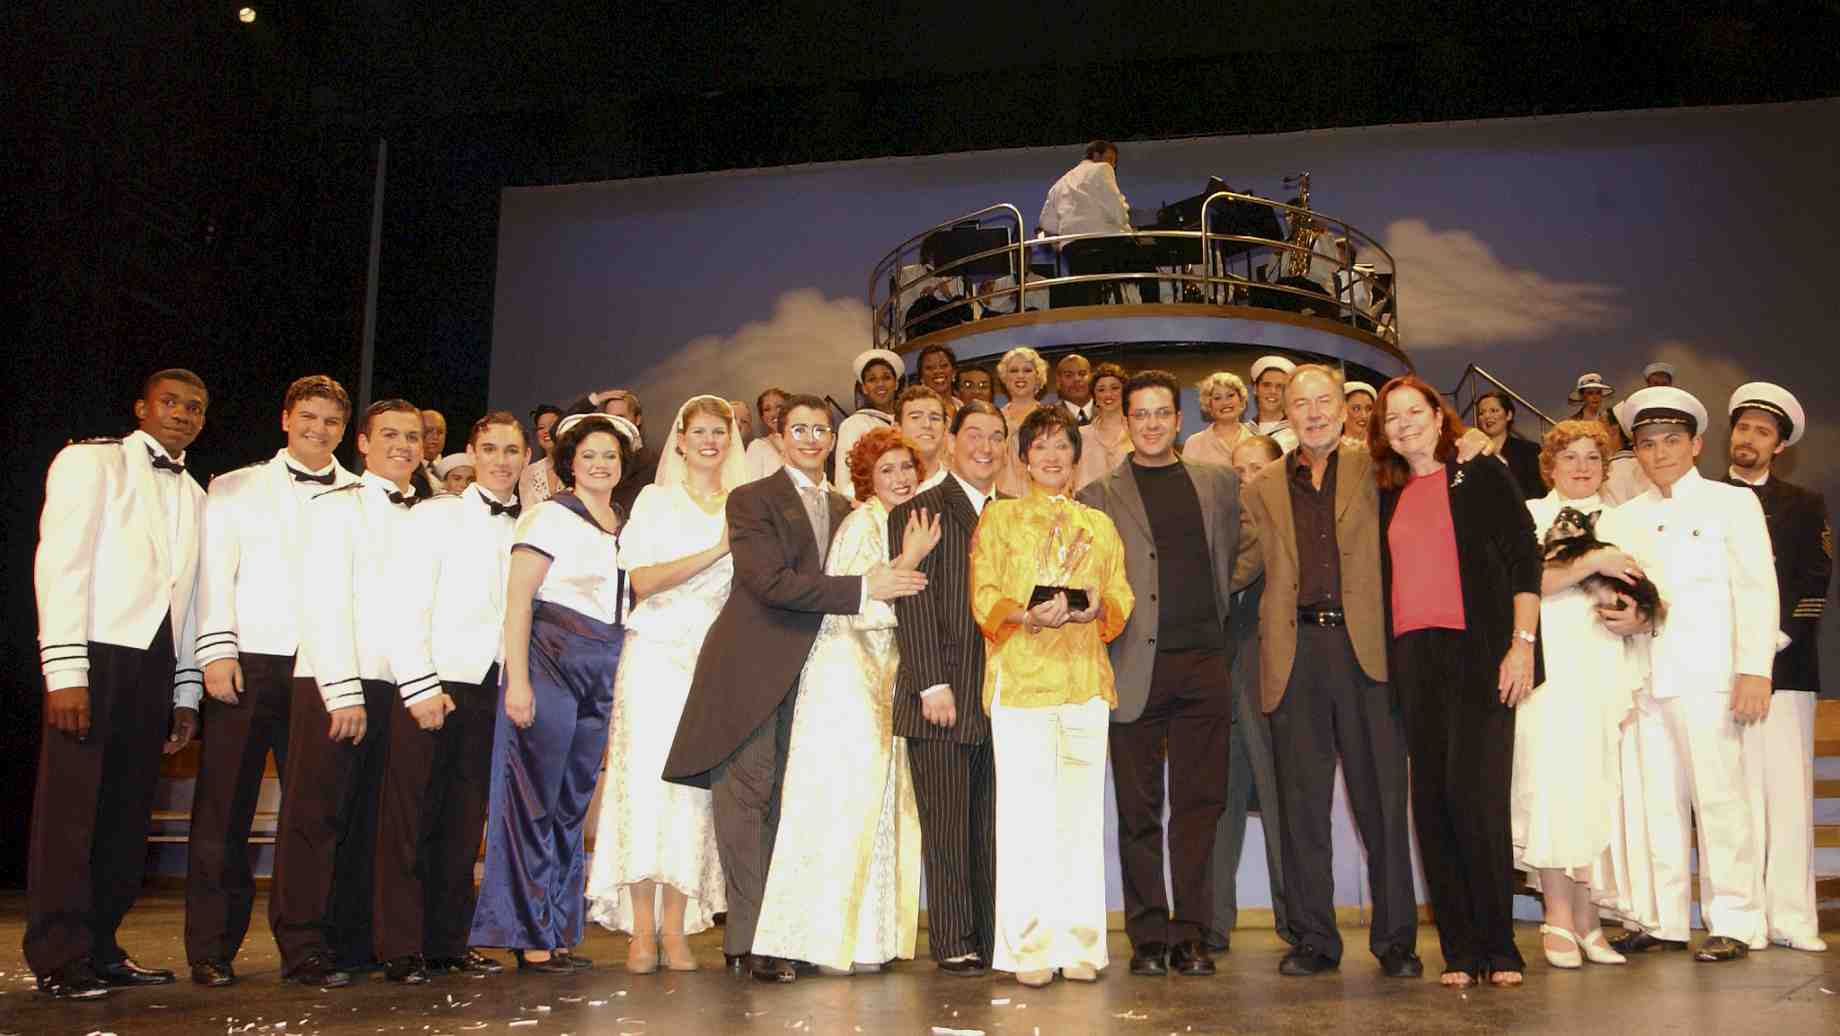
<point>1087,201</point>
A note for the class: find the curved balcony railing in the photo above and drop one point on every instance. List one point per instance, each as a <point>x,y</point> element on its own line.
<point>988,267</point>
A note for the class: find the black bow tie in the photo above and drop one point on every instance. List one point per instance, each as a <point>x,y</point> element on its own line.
<point>308,476</point>
<point>402,500</point>
<point>162,463</point>
<point>497,508</point>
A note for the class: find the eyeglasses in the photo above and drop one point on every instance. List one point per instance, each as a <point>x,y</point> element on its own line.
<point>1161,414</point>
<point>813,432</point>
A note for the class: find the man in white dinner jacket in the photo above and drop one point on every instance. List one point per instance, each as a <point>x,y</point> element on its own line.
<point>338,721</point>
<point>116,566</point>
<point>1706,546</point>
<point>249,608</point>
<point>450,574</point>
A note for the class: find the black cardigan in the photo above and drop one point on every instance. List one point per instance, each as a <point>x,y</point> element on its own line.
<point>1497,558</point>
<point>1523,459</point>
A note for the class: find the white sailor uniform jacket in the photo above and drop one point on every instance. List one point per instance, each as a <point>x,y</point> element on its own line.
<point>450,577</point>
<point>352,539</point>
<point>252,551</point>
<point>1708,551</point>
<point>109,567</point>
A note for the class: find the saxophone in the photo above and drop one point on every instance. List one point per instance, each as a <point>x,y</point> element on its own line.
<point>1304,230</point>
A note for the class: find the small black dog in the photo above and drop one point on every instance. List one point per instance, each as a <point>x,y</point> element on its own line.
<point>1572,536</point>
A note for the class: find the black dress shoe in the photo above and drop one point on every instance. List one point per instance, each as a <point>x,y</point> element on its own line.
<point>1217,942</point>
<point>319,970</point>
<point>213,974</point>
<point>772,969</point>
<point>737,963</point>
<point>125,972</point>
<point>578,963</point>
<point>1401,963</point>
<point>969,966</point>
<point>1639,941</point>
<point>1306,960</point>
<point>472,962</point>
<point>1151,959</point>
<point>410,971</point>
<point>1190,958</point>
<point>1721,948</point>
<point>75,981</point>
<point>556,964</point>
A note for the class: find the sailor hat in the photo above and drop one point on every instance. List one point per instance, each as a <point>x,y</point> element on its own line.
<point>1351,387</point>
<point>1265,363</point>
<point>868,356</point>
<point>1773,399</point>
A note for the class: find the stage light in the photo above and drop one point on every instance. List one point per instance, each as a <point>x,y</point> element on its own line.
<point>246,15</point>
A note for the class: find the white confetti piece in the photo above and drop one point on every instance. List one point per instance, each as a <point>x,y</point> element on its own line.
<point>1132,1016</point>
<point>543,1008</point>
<point>523,1021</point>
<point>597,1003</point>
<point>945,1030</point>
<point>570,999</point>
<point>999,1001</point>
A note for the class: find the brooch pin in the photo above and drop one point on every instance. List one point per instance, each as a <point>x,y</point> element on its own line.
<point>1457,479</point>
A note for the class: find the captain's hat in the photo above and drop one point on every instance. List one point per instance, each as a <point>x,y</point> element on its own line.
<point>1775,400</point>
<point>1662,404</point>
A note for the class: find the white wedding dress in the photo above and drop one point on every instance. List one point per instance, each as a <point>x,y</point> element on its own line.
<point>649,829</point>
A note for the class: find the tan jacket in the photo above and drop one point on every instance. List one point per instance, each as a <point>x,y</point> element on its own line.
<point>1267,501</point>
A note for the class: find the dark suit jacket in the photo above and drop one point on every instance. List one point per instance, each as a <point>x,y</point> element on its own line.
<point>1498,556</point>
<point>757,645</point>
<point>1133,651</point>
<point>938,638</point>
<point>1830,627</point>
<point>1800,536</point>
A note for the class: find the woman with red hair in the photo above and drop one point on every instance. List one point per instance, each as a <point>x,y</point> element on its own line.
<point>843,888</point>
<point>1460,575</point>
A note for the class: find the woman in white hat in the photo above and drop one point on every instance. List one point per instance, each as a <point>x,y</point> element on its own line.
<point>1589,395</point>
<point>878,379</point>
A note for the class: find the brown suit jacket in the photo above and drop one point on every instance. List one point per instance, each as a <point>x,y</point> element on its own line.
<point>1357,533</point>
<point>757,646</point>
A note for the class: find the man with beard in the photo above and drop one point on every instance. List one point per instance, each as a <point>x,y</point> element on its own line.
<point>1779,749</point>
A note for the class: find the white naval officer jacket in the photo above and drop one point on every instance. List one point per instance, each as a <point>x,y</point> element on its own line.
<point>252,550</point>
<point>111,562</point>
<point>353,536</point>
<point>450,577</point>
<point>1708,551</point>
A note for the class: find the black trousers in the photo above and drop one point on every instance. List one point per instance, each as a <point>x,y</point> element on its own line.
<point>436,785</point>
<point>91,809</point>
<point>1462,741</point>
<point>1332,710</point>
<point>220,885</point>
<point>955,793</point>
<point>745,793</point>
<point>326,847</point>
<point>1188,723</point>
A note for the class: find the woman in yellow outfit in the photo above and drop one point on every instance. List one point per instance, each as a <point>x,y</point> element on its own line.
<point>1048,689</point>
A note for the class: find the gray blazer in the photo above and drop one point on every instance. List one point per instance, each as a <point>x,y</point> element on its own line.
<point>1228,534</point>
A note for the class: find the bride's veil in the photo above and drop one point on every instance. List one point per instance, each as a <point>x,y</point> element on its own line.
<point>671,468</point>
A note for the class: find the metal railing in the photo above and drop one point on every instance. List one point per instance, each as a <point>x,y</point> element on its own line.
<point>901,278</point>
<point>1473,374</point>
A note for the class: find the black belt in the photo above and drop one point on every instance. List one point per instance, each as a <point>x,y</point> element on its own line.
<point>1321,617</point>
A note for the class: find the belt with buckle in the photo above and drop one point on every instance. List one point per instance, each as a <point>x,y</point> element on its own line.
<point>1321,616</point>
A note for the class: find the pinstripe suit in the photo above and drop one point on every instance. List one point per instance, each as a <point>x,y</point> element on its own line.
<point>954,779</point>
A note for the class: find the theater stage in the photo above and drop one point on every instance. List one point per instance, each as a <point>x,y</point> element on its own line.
<point>1778,991</point>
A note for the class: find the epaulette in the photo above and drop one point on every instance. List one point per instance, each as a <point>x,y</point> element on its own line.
<point>99,440</point>
<point>338,489</point>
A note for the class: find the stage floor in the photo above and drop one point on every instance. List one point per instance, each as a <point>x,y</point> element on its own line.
<point>1778,991</point>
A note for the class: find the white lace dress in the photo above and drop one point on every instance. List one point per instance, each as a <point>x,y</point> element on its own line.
<point>1567,783</point>
<point>650,830</point>
<point>844,884</point>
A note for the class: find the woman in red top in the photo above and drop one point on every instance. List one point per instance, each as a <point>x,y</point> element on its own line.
<point>1461,578</point>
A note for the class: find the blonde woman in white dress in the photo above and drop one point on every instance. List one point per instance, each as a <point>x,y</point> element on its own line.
<point>1568,732</point>
<point>655,873</point>
<point>843,888</point>
<point>1223,402</point>
<point>1022,374</point>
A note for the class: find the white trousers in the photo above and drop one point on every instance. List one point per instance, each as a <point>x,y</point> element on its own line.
<point>1050,769</point>
<point>1779,777</point>
<point>1692,769</point>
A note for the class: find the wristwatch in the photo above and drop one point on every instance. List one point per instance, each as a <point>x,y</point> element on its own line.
<point>1526,636</point>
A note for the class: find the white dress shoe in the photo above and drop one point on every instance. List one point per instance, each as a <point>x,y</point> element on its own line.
<point>1597,949</point>
<point>1561,958</point>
